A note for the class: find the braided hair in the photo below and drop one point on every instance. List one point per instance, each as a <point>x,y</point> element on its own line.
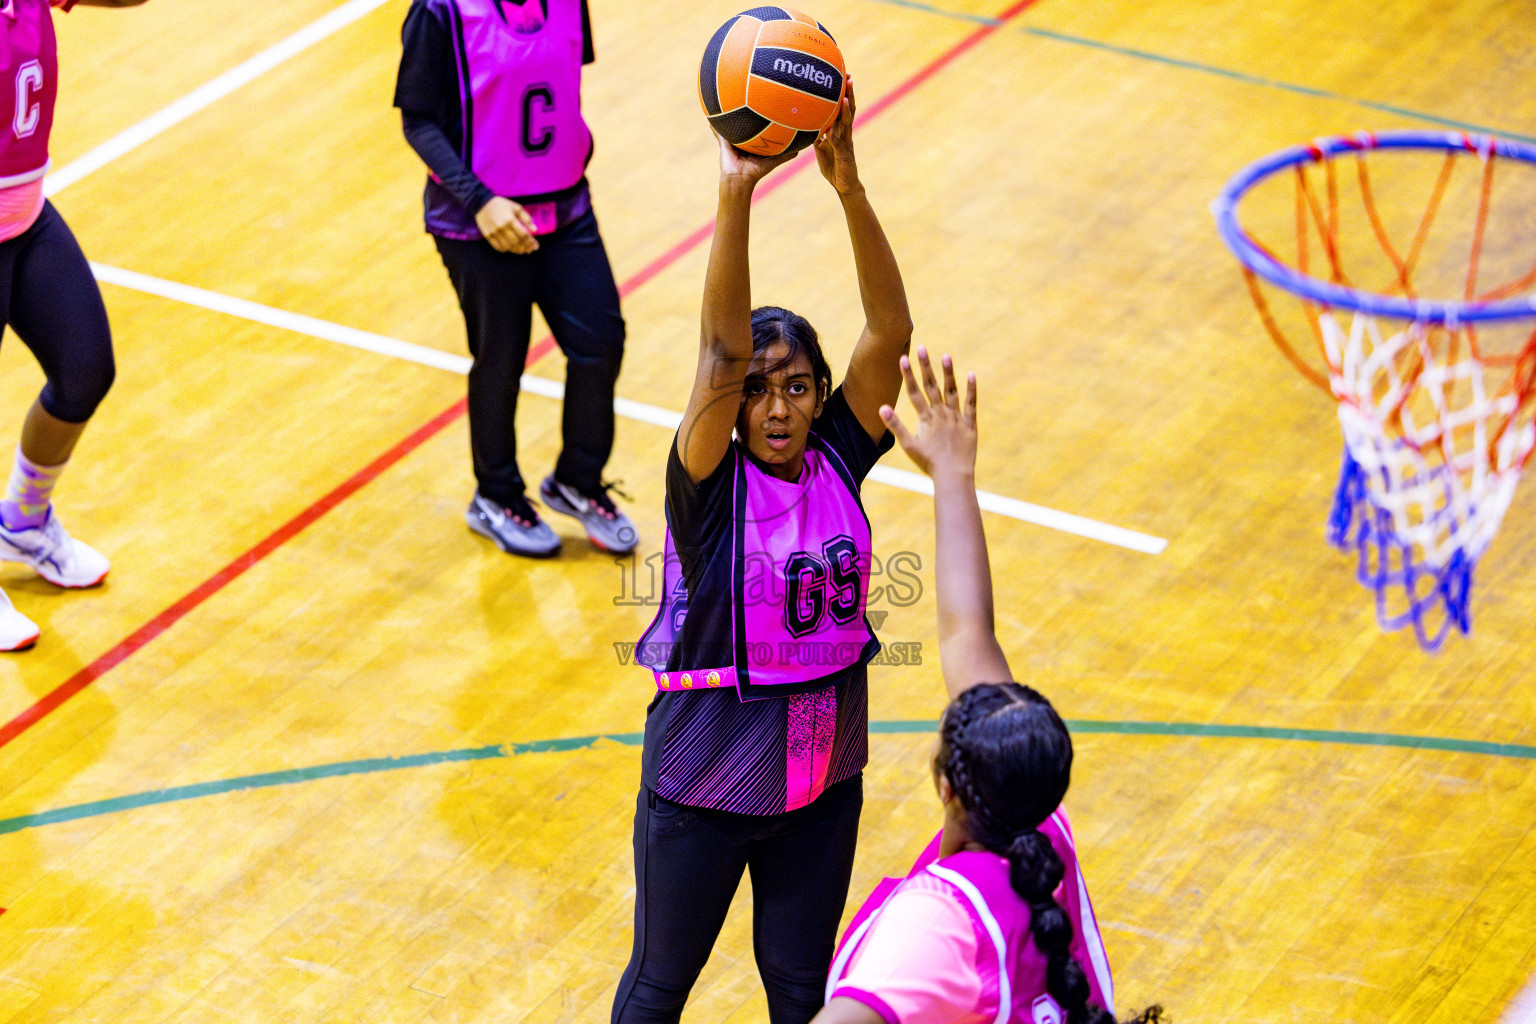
<point>1008,758</point>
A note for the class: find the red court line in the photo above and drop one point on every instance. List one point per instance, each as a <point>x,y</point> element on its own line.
<point>231,572</point>
<point>807,159</point>
<point>127,647</point>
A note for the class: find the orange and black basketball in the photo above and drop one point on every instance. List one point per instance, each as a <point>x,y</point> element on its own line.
<point>771,80</point>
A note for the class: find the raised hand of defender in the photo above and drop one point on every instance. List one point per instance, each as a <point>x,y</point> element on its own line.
<point>945,438</point>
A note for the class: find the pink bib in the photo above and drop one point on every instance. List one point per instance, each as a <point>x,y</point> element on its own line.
<point>800,578</point>
<point>526,136</point>
<point>28,83</point>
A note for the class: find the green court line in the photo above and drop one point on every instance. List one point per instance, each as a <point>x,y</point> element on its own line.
<point>1211,69</point>
<point>262,781</point>
<point>1261,732</point>
<point>1271,83</point>
<point>1198,730</point>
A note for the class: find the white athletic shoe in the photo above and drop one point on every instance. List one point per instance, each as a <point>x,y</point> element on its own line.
<point>53,554</point>
<point>17,632</point>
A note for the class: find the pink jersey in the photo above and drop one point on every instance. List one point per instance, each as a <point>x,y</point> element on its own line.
<point>29,81</point>
<point>522,99</point>
<point>951,943</point>
<point>28,84</point>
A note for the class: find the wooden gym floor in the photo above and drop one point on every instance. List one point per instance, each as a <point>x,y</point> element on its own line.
<point>317,753</point>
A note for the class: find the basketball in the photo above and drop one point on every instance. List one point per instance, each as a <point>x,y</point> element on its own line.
<point>771,80</point>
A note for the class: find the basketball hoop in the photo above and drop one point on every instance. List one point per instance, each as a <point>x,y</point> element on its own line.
<point>1434,394</point>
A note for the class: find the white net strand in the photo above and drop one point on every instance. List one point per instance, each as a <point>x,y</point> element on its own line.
<point>1443,486</point>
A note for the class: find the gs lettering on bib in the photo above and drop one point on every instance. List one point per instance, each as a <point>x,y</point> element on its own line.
<point>28,84</point>
<point>790,616</point>
<point>523,130</point>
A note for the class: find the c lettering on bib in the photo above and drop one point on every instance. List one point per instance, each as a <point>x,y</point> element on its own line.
<point>29,79</point>
<point>540,140</point>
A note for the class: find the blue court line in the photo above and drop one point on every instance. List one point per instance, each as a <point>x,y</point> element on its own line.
<point>1211,69</point>
<point>633,739</point>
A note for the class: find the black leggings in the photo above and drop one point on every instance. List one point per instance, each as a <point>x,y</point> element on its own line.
<point>570,280</point>
<point>49,296</point>
<point>688,864</point>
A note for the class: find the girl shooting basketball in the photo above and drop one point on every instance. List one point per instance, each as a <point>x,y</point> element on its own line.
<point>993,923</point>
<point>757,737</point>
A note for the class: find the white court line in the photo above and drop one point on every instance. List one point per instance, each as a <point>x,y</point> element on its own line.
<point>296,322</point>
<point>1013,508</point>
<point>131,138</point>
<point>629,409</point>
<point>1523,1009</point>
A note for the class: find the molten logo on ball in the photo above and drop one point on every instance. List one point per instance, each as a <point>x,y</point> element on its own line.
<point>808,71</point>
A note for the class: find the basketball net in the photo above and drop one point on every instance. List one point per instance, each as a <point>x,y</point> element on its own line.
<point>1436,431</point>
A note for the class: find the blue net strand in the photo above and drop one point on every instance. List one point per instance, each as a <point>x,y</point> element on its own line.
<point>1437,599</point>
<point>1349,493</point>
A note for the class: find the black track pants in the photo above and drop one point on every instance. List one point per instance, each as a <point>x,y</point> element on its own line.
<point>688,863</point>
<point>49,296</point>
<point>571,282</point>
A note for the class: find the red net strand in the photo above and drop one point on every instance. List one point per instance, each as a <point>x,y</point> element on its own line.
<point>1482,224</point>
<point>1277,335</point>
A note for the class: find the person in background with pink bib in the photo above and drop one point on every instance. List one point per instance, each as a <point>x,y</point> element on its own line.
<point>50,298</point>
<point>757,738</point>
<point>489,93</point>
<point>993,924</point>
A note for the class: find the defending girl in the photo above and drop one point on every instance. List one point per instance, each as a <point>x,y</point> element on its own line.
<point>757,737</point>
<point>993,924</point>
<point>50,298</point>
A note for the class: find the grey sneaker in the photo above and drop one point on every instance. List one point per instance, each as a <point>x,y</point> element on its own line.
<point>516,529</point>
<point>606,526</point>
